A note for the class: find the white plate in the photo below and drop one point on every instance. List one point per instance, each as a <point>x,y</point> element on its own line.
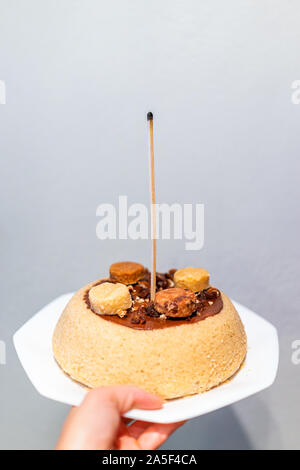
<point>33,345</point>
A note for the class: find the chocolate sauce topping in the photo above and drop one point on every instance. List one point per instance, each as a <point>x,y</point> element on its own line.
<point>143,316</point>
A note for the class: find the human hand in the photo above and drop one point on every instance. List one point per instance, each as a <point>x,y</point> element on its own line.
<point>98,423</point>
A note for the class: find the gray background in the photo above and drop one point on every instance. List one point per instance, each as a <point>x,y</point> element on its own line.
<point>80,76</point>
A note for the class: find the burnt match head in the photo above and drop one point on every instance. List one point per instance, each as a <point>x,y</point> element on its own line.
<point>149,116</point>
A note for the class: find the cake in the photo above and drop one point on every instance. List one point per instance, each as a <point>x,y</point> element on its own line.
<point>188,340</point>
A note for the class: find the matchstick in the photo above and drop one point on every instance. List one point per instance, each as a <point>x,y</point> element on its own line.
<point>153,209</point>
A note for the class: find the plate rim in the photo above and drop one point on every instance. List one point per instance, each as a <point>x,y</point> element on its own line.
<point>163,415</point>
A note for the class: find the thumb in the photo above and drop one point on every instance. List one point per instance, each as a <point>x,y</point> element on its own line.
<point>95,423</point>
<point>126,397</point>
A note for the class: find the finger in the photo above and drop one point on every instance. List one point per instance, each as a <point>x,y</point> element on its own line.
<point>124,440</point>
<point>95,423</point>
<point>156,434</point>
<point>127,421</point>
<point>126,397</point>
<point>137,428</point>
